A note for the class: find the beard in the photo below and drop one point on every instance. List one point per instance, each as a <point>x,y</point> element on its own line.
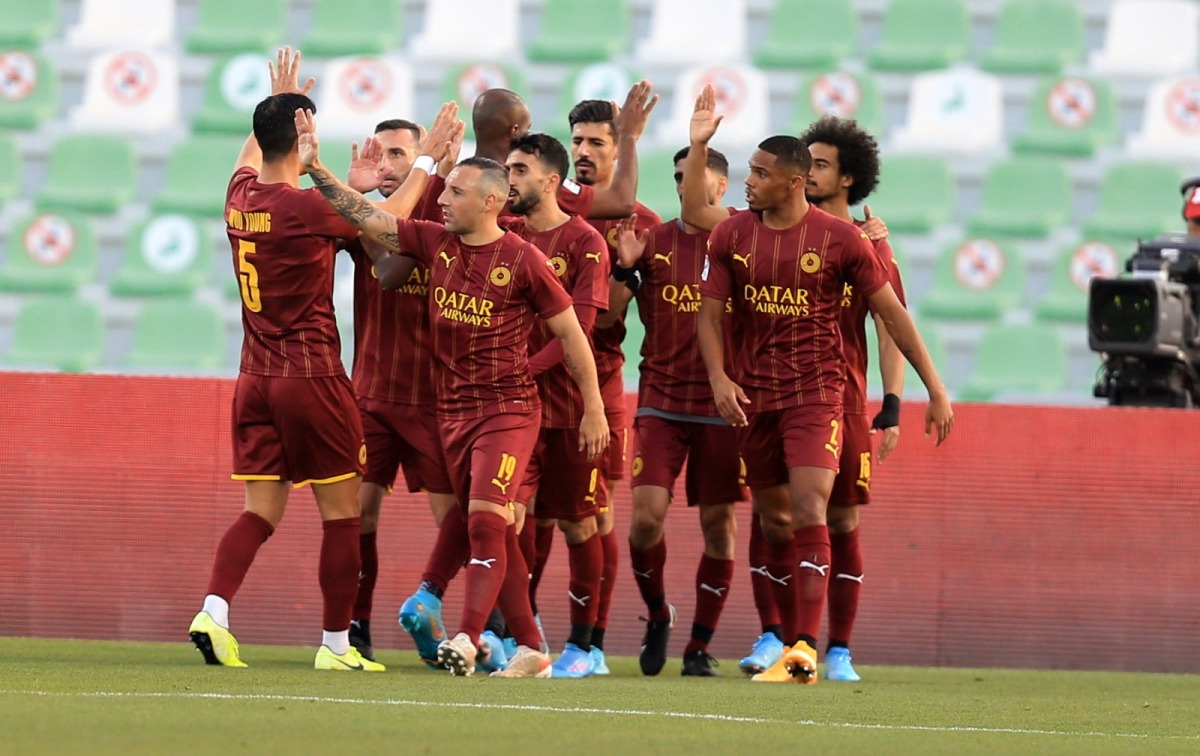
<point>523,204</point>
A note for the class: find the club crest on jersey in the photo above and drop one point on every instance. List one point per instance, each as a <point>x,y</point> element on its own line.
<point>558,265</point>
<point>639,464</point>
<point>501,276</point>
<point>611,237</point>
<point>810,262</point>
<point>362,454</point>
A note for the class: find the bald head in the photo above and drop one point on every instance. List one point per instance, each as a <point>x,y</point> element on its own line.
<point>499,114</point>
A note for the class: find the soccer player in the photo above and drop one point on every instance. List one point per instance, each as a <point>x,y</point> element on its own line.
<point>786,266</point>
<point>486,285</point>
<point>677,420</point>
<point>563,481</point>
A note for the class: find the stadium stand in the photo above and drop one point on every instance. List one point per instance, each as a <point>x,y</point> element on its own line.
<point>1137,199</point>
<point>675,25</point>
<point>221,27</point>
<point>235,84</point>
<point>177,335</point>
<point>50,252</point>
<point>467,81</point>
<point>57,332</point>
<point>808,34</point>
<point>922,34</point>
<point>598,81</point>
<point>28,90</point>
<point>104,24</point>
<point>341,27</point>
<point>91,172</point>
<point>10,168</point>
<point>581,31</point>
<point>840,93</point>
<point>975,279</point>
<point>1149,38</point>
<point>1036,36</point>
<point>917,192</point>
<point>958,111</point>
<point>742,98</point>
<point>129,91</point>
<point>453,32</point>
<point>362,91</point>
<point>28,24</point>
<point>1070,274</point>
<point>1170,121</point>
<point>165,255</point>
<point>197,174</point>
<point>1070,116</point>
<point>1024,196</point>
<point>997,369</point>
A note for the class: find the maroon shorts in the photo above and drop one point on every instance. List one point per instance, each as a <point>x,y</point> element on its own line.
<point>306,430</point>
<point>852,487</point>
<point>487,456</point>
<point>714,469</point>
<point>793,437</point>
<point>565,481</point>
<point>403,436</point>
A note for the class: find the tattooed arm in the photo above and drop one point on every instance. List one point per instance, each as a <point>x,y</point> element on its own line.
<point>375,224</point>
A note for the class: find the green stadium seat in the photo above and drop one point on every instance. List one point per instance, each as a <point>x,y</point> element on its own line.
<point>1024,196</point>
<point>235,85</point>
<point>1070,116</point>
<point>1070,274</point>
<point>198,172</point>
<point>227,26</point>
<point>1137,200</point>
<point>28,89</point>
<point>90,172</point>
<point>58,332</point>
<point>919,35</point>
<point>338,28</point>
<point>842,94</point>
<point>166,255</point>
<point>1036,36</point>
<point>466,82</point>
<point>915,193</point>
<point>912,382</point>
<point>598,81</point>
<point>10,168</point>
<point>1041,369</point>
<point>975,279</point>
<point>635,334</point>
<point>656,182</point>
<point>28,23</point>
<point>50,252</point>
<point>808,34</point>
<point>177,335</point>
<point>581,31</point>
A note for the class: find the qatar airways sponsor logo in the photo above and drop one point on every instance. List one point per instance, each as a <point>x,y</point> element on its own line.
<point>778,300</point>
<point>463,308</point>
<point>686,298</point>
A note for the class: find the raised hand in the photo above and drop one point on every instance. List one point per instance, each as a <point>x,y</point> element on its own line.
<point>285,73</point>
<point>366,166</point>
<point>447,163</point>
<point>436,143</point>
<point>704,116</point>
<point>873,227</point>
<point>630,119</point>
<point>306,138</point>
<point>630,244</point>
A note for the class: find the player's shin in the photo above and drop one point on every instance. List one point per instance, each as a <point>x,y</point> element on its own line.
<point>812,579</point>
<point>845,586</point>
<point>235,554</point>
<point>513,601</point>
<point>586,562</point>
<point>338,574</point>
<point>485,570</point>
<point>648,567</point>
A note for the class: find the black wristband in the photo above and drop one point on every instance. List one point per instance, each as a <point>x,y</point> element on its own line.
<point>623,274</point>
<point>889,416</point>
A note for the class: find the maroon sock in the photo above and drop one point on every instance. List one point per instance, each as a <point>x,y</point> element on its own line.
<point>485,570</point>
<point>781,567</point>
<point>528,540</point>
<point>648,574</point>
<point>586,562</point>
<point>760,583</point>
<point>514,593</point>
<point>608,578</point>
<point>366,576</point>
<point>236,553</point>
<point>845,585</point>
<point>543,543</point>
<point>338,571</point>
<point>450,551</point>
<point>812,577</point>
<point>713,579</point>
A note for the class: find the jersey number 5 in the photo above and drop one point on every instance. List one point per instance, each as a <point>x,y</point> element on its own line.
<point>248,277</point>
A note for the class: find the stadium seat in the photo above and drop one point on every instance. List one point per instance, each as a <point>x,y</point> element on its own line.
<point>1024,196</point>
<point>466,82</point>
<point>975,279</point>
<point>90,172</point>
<point>957,111</point>
<point>743,97</point>
<point>198,172</point>
<point>359,92</point>
<point>29,23</point>
<point>10,168</point>
<point>338,28</point>
<point>915,193</point>
<point>177,335</point>
<point>919,35</point>
<point>235,85</point>
<point>1070,116</point>
<point>166,255</point>
<point>1149,38</point>
<point>1170,122</point>
<point>28,90</point>
<point>635,334</point>
<point>58,332</point>
<point>469,30</point>
<point>129,91</point>
<point>104,24</point>
<point>676,25</point>
<point>223,26</point>
<point>913,388</point>
<point>1040,369</point>
<point>49,252</point>
<point>598,81</point>
<point>839,93</point>
<point>656,181</point>
<point>581,31</point>
<point>1036,36</point>
<point>808,34</point>
<point>1070,276</point>
<point>1137,200</point>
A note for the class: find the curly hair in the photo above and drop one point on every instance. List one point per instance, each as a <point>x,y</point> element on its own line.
<point>858,152</point>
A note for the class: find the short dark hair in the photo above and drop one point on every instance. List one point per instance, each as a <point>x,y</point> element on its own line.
<point>858,152</point>
<point>275,123</point>
<point>717,162</point>
<point>788,151</point>
<point>548,150</point>
<point>397,124</point>
<point>592,111</point>
<point>492,172</point>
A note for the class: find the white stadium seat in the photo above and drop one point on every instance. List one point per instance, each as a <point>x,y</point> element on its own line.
<point>129,91</point>
<point>358,92</point>
<point>467,30</point>
<point>105,24</point>
<point>1171,122</point>
<point>959,111</point>
<point>694,32</point>
<point>1149,38</point>
<point>743,97</point>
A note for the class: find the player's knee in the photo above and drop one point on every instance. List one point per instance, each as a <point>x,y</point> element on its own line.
<point>577,532</point>
<point>720,531</point>
<point>644,530</point>
<point>842,519</point>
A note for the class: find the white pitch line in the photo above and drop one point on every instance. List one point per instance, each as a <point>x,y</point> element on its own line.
<point>589,710</point>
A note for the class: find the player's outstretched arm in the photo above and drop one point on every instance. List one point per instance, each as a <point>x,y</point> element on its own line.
<point>577,354</point>
<point>711,338</point>
<point>285,79</point>
<point>442,138</point>
<point>939,415</point>
<point>695,208</point>
<point>617,201</point>
<point>891,370</point>
<point>625,278</point>
<point>392,271</point>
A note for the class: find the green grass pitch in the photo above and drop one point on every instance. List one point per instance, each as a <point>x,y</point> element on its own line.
<point>61,696</point>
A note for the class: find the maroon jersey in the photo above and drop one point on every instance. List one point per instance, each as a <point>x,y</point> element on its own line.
<point>579,258</point>
<point>284,241</point>
<point>607,341</point>
<point>483,301</point>
<point>788,287</point>
<point>853,325</point>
